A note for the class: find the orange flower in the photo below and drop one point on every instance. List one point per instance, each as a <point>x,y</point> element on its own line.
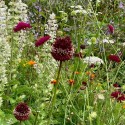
<point>77,72</point>
<point>92,76</point>
<point>71,81</point>
<point>123,106</point>
<point>88,73</point>
<point>31,63</point>
<point>53,81</point>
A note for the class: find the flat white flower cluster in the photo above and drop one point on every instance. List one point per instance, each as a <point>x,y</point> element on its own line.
<point>93,60</point>
<point>78,10</point>
<point>51,27</point>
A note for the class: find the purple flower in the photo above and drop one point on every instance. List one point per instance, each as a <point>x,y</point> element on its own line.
<point>110,29</point>
<point>21,26</point>
<point>42,40</point>
<point>62,49</point>
<point>121,5</point>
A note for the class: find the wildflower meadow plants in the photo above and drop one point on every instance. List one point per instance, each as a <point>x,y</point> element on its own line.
<point>62,62</point>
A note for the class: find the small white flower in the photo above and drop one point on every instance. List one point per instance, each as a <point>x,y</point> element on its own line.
<point>93,60</point>
<point>100,96</point>
<point>93,115</point>
<point>108,41</point>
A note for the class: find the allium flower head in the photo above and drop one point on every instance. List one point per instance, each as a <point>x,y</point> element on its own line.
<point>22,112</point>
<point>116,85</point>
<point>114,58</point>
<point>21,26</point>
<point>62,49</point>
<point>42,40</point>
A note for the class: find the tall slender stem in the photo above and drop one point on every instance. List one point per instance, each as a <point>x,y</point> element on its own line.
<point>35,123</point>
<point>54,93</point>
<point>20,123</point>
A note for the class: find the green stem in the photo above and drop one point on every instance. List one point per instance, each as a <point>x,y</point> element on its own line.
<point>35,123</point>
<point>20,123</point>
<point>54,94</point>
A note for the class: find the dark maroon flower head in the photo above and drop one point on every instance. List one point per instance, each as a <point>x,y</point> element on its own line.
<point>116,85</point>
<point>82,46</point>
<point>84,83</point>
<point>62,49</point>
<point>22,112</point>
<point>119,96</point>
<point>21,26</point>
<point>110,29</point>
<point>42,40</point>
<point>92,66</point>
<point>114,58</point>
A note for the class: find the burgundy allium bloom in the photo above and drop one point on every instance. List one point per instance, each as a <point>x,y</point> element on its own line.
<point>42,40</point>
<point>82,46</point>
<point>21,112</point>
<point>116,85</point>
<point>119,96</point>
<point>62,49</point>
<point>84,83</point>
<point>114,58</point>
<point>110,29</point>
<point>21,26</point>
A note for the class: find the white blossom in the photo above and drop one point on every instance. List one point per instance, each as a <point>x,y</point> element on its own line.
<point>51,27</point>
<point>93,60</point>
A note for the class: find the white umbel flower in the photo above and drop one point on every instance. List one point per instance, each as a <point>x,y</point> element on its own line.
<point>93,60</point>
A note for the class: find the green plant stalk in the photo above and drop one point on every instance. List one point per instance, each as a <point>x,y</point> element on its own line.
<point>20,123</point>
<point>35,122</point>
<point>54,93</point>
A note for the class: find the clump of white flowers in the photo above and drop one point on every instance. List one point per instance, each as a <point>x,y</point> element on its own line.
<point>5,50</point>
<point>51,27</point>
<point>92,115</point>
<point>93,60</point>
<point>77,10</point>
<point>107,40</point>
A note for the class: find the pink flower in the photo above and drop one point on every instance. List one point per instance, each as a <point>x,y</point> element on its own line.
<point>110,29</point>
<point>42,40</point>
<point>114,58</point>
<point>21,26</point>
